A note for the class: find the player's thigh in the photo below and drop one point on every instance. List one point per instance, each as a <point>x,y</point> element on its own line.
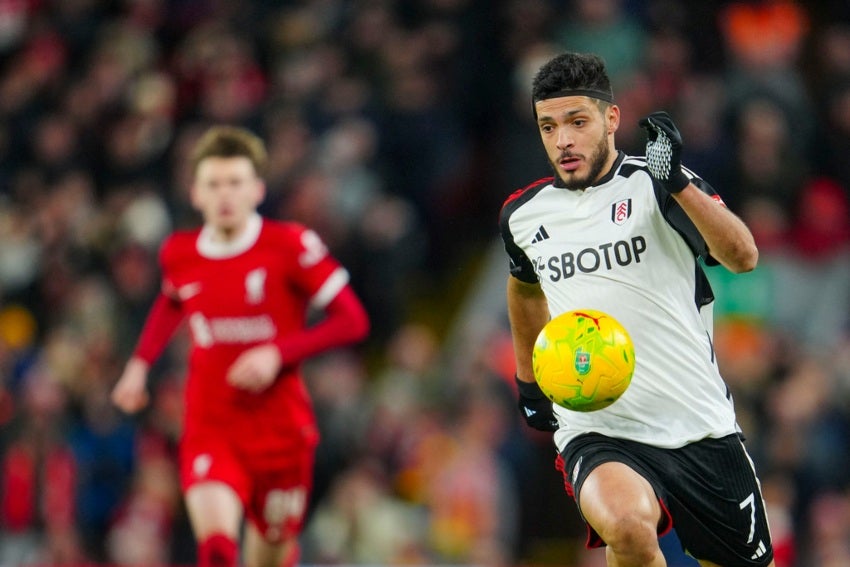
<point>261,553</point>
<point>213,508</point>
<point>613,493</point>
<point>278,503</point>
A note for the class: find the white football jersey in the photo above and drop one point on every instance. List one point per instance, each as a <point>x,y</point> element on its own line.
<point>625,247</point>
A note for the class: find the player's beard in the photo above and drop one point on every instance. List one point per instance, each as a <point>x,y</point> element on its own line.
<point>597,162</point>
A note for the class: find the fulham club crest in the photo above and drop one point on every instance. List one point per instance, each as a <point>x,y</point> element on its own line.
<point>621,210</point>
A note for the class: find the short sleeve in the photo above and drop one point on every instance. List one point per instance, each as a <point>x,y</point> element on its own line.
<point>679,220</point>
<point>520,265</point>
<point>312,269</point>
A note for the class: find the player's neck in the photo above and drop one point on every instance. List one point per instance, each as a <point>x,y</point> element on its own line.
<point>220,242</point>
<point>228,233</point>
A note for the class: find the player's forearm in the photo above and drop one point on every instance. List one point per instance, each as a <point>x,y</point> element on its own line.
<point>528,312</point>
<point>164,318</point>
<point>345,322</point>
<point>729,240</point>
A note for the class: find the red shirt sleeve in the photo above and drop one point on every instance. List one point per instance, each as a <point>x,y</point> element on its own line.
<point>325,282</point>
<point>345,322</point>
<point>163,320</point>
<point>165,314</point>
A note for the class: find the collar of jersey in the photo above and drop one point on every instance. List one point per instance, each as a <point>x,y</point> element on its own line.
<point>214,249</point>
<point>558,182</point>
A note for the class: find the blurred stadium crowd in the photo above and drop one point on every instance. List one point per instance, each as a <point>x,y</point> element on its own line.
<point>396,128</point>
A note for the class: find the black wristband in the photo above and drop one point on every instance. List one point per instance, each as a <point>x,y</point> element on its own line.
<point>530,390</point>
<point>677,182</point>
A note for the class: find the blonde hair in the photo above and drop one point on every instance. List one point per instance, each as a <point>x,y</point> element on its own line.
<point>231,141</point>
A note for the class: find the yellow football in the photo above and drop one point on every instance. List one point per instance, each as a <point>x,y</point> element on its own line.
<point>583,360</point>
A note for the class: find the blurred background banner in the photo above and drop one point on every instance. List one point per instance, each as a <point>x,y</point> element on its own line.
<point>396,128</point>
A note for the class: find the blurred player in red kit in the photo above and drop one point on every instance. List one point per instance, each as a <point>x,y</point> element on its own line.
<point>245,285</point>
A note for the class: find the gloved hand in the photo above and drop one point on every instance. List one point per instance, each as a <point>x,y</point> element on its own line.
<point>535,407</point>
<point>664,151</point>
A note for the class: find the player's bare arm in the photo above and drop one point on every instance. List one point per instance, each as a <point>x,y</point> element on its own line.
<point>729,240</point>
<point>130,392</point>
<point>528,312</point>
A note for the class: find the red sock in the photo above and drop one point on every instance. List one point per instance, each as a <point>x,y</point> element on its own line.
<point>291,559</point>
<point>217,550</point>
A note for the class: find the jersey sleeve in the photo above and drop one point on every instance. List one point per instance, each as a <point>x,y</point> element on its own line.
<point>520,264</point>
<point>163,320</point>
<point>345,322</point>
<point>165,315</point>
<point>315,273</point>
<point>168,254</point>
<point>322,279</point>
<point>679,220</point>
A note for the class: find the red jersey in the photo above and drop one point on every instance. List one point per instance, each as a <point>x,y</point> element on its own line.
<point>238,295</point>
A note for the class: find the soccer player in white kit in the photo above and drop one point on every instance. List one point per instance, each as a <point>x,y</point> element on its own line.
<point>623,235</point>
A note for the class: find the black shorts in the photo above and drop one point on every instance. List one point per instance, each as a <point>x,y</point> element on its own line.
<point>708,491</point>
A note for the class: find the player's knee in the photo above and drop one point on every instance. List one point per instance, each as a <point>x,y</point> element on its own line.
<point>632,535</point>
<point>285,553</point>
<point>218,550</point>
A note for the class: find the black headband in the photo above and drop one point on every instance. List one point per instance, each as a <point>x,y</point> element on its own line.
<point>607,96</point>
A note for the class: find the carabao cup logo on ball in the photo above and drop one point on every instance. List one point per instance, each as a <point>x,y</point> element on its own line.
<point>583,360</point>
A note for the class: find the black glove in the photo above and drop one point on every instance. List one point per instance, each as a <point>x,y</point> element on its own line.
<point>535,407</point>
<point>664,151</point>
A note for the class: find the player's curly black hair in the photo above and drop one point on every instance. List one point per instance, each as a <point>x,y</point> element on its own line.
<point>571,71</point>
